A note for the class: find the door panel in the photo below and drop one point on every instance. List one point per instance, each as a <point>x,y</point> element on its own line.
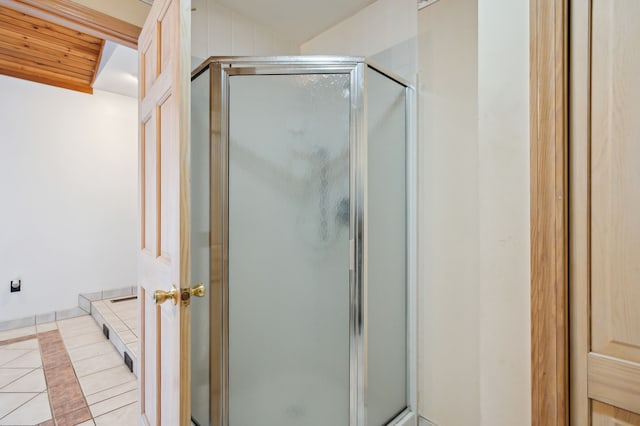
<point>288,239</point>
<point>607,415</point>
<point>614,380</point>
<point>606,190</point>
<point>164,226</point>
<point>615,204</point>
<point>615,179</point>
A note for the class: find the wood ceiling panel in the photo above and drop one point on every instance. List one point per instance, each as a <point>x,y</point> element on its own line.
<point>34,49</point>
<point>43,52</point>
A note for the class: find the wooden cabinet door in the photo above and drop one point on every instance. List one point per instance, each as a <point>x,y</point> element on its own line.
<point>605,212</point>
<point>164,81</point>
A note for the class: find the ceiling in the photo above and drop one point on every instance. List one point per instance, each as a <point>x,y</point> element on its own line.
<point>118,71</point>
<point>300,20</point>
<point>41,51</point>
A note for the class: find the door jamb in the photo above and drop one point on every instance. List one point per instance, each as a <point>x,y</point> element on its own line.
<point>549,23</point>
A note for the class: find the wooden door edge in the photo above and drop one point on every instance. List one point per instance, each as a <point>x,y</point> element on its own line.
<point>80,18</point>
<point>549,21</point>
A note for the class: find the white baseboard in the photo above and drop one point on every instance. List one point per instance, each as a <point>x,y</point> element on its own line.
<point>83,308</point>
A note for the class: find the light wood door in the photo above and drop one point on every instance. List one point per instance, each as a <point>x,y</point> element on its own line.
<point>605,212</point>
<point>164,78</point>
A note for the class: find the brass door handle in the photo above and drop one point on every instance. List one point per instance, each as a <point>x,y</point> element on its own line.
<point>199,290</point>
<point>162,296</point>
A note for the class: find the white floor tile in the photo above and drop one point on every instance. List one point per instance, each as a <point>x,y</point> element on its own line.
<point>79,330</point>
<point>99,304</point>
<point>31,382</point>
<point>7,355</point>
<point>18,332</point>
<point>125,416</point>
<point>90,351</point>
<point>129,318</point>
<point>118,325</point>
<point>105,379</point>
<point>48,326</point>
<point>75,322</point>
<point>132,348</point>
<point>98,363</point>
<point>108,315</point>
<point>114,403</point>
<point>8,375</point>
<point>133,326</point>
<point>31,359</point>
<point>83,339</point>
<point>11,401</point>
<point>26,344</point>
<point>33,412</point>
<point>111,392</point>
<point>127,336</point>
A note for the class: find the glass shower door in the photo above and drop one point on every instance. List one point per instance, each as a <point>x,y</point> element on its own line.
<point>288,250</point>
<point>386,249</point>
<point>301,231</point>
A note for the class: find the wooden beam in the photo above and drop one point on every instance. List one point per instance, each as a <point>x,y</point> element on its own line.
<point>549,212</point>
<point>98,60</point>
<point>38,77</point>
<point>80,18</point>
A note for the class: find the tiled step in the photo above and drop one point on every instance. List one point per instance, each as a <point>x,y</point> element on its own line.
<point>117,317</point>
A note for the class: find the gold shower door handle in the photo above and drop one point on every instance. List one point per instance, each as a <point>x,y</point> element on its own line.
<point>198,290</point>
<point>160,296</point>
<point>184,294</point>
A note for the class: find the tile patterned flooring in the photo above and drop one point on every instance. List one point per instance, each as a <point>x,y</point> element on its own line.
<point>122,316</point>
<point>64,373</point>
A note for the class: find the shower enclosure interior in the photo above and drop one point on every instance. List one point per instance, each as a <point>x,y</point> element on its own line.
<point>301,193</point>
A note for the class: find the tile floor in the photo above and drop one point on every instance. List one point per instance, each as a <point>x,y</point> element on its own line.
<point>122,317</point>
<point>64,373</point>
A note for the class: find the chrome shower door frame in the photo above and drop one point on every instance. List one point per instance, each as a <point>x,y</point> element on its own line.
<point>221,69</point>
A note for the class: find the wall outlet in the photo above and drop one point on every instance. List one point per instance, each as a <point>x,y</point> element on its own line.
<point>16,285</point>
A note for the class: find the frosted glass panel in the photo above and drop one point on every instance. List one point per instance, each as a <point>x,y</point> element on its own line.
<point>386,245</point>
<point>288,250</point>
<point>200,247</point>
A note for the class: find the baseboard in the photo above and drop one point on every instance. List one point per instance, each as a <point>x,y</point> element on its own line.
<point>42,318</point>
<point>83,308</point>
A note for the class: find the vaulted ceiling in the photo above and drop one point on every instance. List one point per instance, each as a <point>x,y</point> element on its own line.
<point>38,50</point>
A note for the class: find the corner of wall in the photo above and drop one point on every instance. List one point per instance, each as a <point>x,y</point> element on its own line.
<point>393,43</point>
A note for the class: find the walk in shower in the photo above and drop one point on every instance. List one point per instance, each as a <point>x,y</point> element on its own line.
<point>302,231</point>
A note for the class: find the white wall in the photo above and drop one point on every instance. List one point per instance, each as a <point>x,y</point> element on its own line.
<point>503,181</point>
<point>384,31</point>
<point>219,31</point>
<point>474,280</point>
<point>134,12</point>
<point>448,386</point>
<point>68,179</point>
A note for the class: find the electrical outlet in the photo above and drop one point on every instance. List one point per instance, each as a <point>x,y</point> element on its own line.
<point>15,285</point>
